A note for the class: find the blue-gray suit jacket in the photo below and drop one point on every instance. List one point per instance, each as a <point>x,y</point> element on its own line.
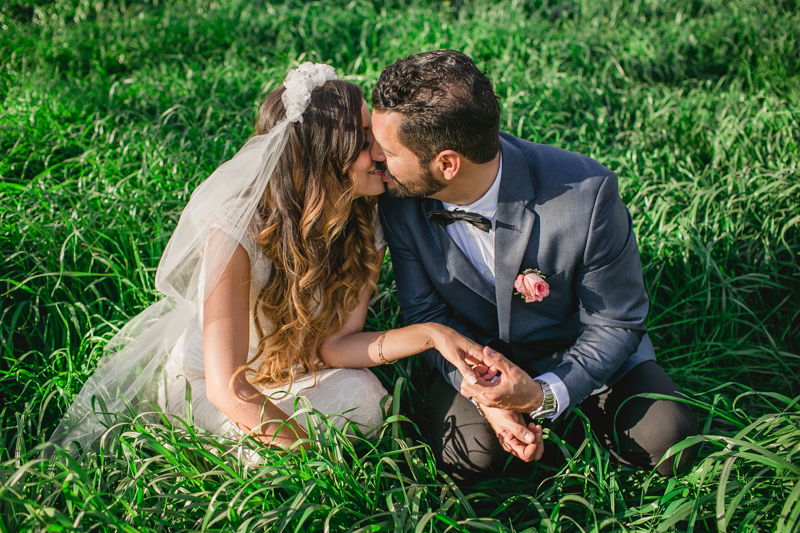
<point>558,212</point>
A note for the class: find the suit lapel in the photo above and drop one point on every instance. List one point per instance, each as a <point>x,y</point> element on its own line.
<point>515,222</point>
<point>456,262</point>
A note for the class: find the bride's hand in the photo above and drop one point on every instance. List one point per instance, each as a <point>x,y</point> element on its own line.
<point>282,434</point>
<point>463,353</point>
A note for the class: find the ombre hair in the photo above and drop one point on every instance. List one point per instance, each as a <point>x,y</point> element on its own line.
<point>317,234</point>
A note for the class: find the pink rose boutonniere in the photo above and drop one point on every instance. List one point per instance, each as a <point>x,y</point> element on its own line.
<point>532,286</point>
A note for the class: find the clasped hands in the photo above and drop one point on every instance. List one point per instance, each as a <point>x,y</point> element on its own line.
<point>504,391</point>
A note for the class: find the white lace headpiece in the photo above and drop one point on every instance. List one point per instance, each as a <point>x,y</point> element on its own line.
<point>299,84</point>
<point>212,225</point>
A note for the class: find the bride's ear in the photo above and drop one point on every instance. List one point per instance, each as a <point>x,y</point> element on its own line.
<point>447,163</point>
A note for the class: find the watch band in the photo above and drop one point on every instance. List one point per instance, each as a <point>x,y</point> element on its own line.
<point>549,405</point>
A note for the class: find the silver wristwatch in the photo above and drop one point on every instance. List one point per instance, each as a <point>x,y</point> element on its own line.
<point>549,405</point>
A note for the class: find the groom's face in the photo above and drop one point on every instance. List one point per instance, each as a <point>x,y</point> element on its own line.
<point>405,177</point>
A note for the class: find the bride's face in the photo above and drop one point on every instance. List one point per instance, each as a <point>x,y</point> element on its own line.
<point>365,174</point>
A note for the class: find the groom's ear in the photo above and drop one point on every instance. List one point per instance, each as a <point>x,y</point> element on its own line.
<point>448,163</point>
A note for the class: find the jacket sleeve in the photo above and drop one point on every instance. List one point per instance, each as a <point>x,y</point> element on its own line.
<point>612,300</point>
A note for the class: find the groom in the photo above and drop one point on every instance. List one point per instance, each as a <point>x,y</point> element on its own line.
<point>472,216</point>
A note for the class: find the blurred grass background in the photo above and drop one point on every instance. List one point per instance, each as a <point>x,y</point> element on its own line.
<point>112,111</point>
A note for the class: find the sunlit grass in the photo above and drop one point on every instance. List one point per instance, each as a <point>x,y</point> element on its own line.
<point>112,112</point>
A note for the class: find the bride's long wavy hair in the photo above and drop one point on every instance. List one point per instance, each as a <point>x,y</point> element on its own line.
<point>317,234</point>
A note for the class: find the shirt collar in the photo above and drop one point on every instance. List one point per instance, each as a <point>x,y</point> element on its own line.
<point>486,205</point>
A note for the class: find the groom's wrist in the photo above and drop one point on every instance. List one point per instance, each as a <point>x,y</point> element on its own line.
<point>536,397</point>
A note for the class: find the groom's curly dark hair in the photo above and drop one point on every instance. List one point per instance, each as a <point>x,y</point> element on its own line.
<point>447,103</point>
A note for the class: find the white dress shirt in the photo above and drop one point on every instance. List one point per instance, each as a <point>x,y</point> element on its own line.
<point>478,246</point>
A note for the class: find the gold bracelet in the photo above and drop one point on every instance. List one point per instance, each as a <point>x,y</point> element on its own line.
<point>380,350</point>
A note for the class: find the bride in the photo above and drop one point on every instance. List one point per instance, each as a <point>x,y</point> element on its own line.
<point>267,282</point>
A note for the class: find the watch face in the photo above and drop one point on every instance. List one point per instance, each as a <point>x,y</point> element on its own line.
<point>548,407</point>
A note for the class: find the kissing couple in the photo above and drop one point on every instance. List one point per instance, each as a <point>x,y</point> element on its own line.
<point>516,267</point>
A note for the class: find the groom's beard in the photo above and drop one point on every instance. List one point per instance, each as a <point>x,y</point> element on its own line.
<point>425,185</point>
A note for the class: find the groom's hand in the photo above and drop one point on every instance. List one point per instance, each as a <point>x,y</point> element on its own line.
<point>513,390</point>
<point>515,437</point>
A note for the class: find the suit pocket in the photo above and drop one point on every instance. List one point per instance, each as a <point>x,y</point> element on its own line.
<point>554,280</point>
<point>561,300</point>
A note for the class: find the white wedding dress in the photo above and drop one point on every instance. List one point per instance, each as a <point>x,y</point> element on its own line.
<point>349,394</point>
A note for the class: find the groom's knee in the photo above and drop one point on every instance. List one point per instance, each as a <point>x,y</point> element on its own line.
<point>670,423</point>
<point>464,444</point>
<point>640,428</point>
<point>469,452</point>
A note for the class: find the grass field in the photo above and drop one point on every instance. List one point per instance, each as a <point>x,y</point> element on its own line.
<point>112,111</point>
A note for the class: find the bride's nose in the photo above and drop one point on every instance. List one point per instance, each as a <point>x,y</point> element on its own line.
<point>376,153</point>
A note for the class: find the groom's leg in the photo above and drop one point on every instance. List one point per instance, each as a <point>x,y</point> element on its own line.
<point>638,431</point>
<point>463,442</point>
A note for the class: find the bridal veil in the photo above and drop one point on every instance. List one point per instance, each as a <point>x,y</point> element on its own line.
<point>210,228</point>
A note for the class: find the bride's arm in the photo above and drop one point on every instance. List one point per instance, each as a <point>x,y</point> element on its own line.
<point>226,329</point>
<point>353,348</point>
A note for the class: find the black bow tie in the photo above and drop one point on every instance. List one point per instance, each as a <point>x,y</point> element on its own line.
<point>444,217</point>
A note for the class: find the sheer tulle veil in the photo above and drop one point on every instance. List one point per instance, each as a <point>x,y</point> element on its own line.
<point>210,228</point>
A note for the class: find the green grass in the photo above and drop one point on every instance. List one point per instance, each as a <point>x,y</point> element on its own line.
<point>112,111</point>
